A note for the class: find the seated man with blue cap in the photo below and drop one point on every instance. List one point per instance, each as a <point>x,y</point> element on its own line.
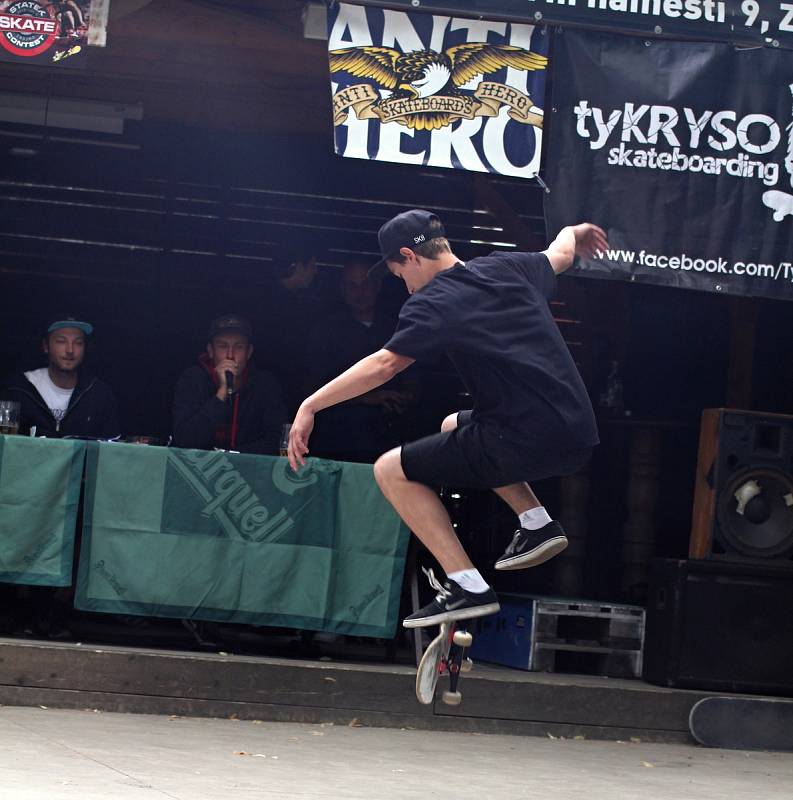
<point>62,398</point>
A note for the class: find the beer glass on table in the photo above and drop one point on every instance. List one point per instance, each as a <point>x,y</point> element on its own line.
<point>283,447</point>
<point>9,416</point>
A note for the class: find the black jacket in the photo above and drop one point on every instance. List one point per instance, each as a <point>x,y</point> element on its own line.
<point>197,412</point>
<point>91,411</point>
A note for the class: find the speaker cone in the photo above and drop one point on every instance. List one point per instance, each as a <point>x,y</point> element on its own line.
<point>755,513</point>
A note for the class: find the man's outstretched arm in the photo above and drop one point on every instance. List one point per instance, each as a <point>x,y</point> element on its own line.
<point>575,240</point>
<point>360,378</point>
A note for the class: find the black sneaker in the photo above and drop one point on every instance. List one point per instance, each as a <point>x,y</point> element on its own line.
<point>451,603</point>
<point>530,548</point>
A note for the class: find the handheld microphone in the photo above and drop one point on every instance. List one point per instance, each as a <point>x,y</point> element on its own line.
<point>230,382</point>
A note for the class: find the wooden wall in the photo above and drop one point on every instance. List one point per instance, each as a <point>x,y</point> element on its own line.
<point>241,66</point>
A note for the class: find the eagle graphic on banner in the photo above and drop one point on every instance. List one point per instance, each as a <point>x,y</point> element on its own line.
<point>426,87</point>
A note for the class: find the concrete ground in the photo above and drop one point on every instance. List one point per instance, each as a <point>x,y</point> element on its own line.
<point>49,754</point>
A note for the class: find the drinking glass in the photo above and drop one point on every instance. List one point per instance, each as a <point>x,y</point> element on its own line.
<point>283,447</point>
<point>9,416</point>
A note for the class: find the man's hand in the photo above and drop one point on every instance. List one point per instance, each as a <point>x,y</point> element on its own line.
<point>224,366</point>
<point>589,239</point>
<point>298,437</point>
<point>367,374</point>
<point>575,240</point>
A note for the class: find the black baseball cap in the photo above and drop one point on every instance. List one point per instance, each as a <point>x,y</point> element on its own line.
<point>58,321</point>
<point>230,322</point>
<point>408,229</point>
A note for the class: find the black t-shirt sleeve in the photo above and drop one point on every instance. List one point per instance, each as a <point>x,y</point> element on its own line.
<point>537,269</point>
<point>423,330</point>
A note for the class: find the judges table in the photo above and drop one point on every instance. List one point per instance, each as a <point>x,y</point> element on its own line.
<point>205,535</point>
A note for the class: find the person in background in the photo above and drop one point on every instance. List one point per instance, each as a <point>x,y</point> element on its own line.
<point>366,426</point>
<point>224,401</point>
<point>63,398</point>
<point>296,291</point>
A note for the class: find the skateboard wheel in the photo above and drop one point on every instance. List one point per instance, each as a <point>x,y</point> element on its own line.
<point>463,638</point>
<point>467,665</point>
<point>452,698</point>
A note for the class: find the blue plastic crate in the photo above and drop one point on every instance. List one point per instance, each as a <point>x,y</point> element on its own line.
<point>552,634</point>
<point>506,637</point>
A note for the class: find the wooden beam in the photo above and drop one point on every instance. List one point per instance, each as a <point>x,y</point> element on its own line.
<point>488,196</point>
<point>743,330</point>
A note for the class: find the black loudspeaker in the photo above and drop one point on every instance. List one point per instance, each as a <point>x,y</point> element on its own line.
<point>743,500</point>
<point>721,626</point>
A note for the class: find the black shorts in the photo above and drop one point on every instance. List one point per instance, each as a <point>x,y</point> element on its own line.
<point>478,457</point>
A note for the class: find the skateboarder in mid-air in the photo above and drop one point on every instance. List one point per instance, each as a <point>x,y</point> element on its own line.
<point>531,418</point>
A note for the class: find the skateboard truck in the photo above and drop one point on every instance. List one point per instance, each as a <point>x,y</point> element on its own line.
<point>456,663</point>
<point>445,655</point>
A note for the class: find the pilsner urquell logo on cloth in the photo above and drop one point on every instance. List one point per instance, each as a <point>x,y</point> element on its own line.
<point>228,497</point>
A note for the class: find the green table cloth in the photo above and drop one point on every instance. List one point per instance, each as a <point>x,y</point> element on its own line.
<point>39,497</point>
<point>239,538</point>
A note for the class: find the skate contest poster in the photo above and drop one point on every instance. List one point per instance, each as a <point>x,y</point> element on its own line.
<point>44,32</point>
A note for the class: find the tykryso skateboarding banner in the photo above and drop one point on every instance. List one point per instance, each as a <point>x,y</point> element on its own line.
<point>683,153</point>
<point>437,91</point>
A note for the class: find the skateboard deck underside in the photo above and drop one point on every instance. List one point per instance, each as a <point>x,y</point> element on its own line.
<point>743,723</point>
<point>429,666</point>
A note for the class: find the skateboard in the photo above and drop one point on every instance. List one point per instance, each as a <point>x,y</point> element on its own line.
<point>743,723</point>
<point>445,655</point>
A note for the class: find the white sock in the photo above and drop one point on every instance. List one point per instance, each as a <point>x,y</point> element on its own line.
<point>534,518</point>
<point>470,580</point>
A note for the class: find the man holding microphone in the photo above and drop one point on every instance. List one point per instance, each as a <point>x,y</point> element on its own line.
<point>224,401</point>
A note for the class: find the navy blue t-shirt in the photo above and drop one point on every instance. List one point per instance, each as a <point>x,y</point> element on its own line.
<point>491,317</point>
